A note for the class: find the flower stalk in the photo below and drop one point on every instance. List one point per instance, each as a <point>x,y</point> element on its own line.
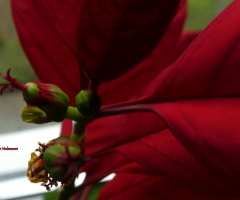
<point>79,134</point>
<point>73,114</point>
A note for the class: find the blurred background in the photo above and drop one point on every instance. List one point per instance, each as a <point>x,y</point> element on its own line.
<point>15,132</point>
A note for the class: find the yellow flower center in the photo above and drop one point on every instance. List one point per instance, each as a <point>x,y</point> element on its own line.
<point>36,172</point>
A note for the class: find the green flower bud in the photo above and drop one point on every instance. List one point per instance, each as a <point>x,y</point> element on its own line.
<point>50,98</point>
<point>57,161</point>
<point>61,162</point>
<point>88,103</point>
<point>31,93</point>
<point>33,114</point>
<point>62,158</point>
<point>64,141</point>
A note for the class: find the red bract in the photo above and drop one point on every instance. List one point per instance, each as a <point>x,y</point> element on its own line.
<point>178,133</point>
<point>48,40</point>
<point>112,34</point>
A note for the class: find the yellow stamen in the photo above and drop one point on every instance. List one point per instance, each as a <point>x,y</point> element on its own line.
<point>36,163</point>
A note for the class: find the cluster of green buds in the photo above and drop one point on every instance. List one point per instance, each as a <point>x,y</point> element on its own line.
<point>58,161</point>
<point>48,103</point>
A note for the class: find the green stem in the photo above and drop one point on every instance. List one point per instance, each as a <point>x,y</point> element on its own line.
<point>73,114</point>
<point>78,134</point>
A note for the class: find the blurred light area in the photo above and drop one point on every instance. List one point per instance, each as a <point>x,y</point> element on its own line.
<point>79,180</point>
<point>19,187</point>
<point>108,178</point>
<point>82,176</point>
<point>23,188</point>
<point>14,163</point>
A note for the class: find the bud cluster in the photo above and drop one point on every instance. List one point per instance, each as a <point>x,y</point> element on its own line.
<point>48,103</point>
<point>60,159</point>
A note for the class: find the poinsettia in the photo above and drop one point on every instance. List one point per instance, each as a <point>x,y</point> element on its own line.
<point>169,122</point>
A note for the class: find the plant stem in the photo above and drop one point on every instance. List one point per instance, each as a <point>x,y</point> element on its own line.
<point>121,109</point>
<point>73,114</point>
<point>78,134</point>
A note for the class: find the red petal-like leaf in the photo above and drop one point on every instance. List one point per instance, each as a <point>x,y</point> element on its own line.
<point>208,68</point>
<point>115,35</point>
<point>48,52</point>
<point>141,138</point>
<point>164,155</point>
<point>103,137</point>
<point>202,158</point>
<point>201,154</point>
<point>137,78</point>
<point>142,187</point>
<point>65,16</point>
<point>112,131</point>
<point>209,129</point>
<point>105,166</point>
<point>112,162</point>
<point>185,40</point>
